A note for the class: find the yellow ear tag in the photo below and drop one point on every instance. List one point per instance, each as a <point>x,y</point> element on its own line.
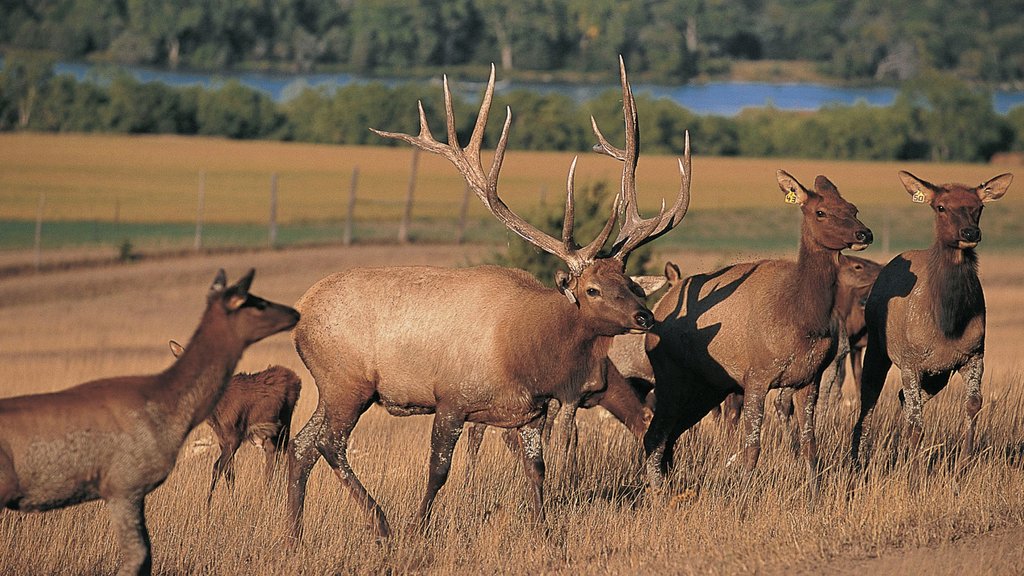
<point>791,197</point>
<point>919,197</point>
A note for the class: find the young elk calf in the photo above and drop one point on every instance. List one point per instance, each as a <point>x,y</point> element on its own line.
<point>926,312</point>
<point>752,327</point>
<point>256,407</point>
<point>118,438</point>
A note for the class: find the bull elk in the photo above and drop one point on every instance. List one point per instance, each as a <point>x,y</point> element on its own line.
<point>255,406</point>
<point>926,312</point>
<point>485,344</point>
<point>117,439</point>
<point>751,327</point>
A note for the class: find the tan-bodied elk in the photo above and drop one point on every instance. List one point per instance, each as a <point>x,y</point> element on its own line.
<point>484,344</point>
<point>255,406</point>
<point>926,312</point>
<point>117,439</point>
<point>752,327</point>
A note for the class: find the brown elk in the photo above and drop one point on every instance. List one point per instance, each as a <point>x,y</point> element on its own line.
<point>484,344</point>
<point>752,327</point>
<point>926,312</point>
<point>856,276</point>
<point>255,406</point>
<point>117,439</point>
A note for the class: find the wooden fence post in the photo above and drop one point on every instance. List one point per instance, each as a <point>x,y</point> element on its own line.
<point>198,242</point>
<point>39,232</point>
<point>350,216</point>
<point>463,215</point>
<point>272,231</point>
<point>403,228</point>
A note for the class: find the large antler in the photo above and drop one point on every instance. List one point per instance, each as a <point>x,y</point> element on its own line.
<point>467,161</point>
<point>635,230</point>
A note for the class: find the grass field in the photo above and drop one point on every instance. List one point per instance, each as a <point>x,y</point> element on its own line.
<point>67,327</point>
<point>105,190</point>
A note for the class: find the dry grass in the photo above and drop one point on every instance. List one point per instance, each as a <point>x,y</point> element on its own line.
<point>63,328</point>
<point>155,179</point>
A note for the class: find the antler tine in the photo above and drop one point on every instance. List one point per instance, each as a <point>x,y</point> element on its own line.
<point>569,220</point>
<point>636,230</point>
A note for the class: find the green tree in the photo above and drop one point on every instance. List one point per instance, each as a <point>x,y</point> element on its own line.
<point>236,111</point>
<point>592,209</point>
<point>24,79</point>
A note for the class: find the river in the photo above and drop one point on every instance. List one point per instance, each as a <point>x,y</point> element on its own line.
<point>712,98</point>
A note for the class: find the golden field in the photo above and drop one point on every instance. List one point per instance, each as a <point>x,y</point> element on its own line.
<point>156,178</point>
<point>61,328</point>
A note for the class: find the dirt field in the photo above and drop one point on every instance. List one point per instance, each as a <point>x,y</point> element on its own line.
<point>61,328</point>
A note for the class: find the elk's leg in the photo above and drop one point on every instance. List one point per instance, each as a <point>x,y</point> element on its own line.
<point>856,369</point>
<point>732,406</point>
<point>876,367</point>
<point>971,373</point>
<point>474,438</point>
<point>554,407</point>
<point>806,399</point>
<point>333,446</point>
<point>753,418</point>
<point>302,455</point>
<point>128,520</point>
<point>224,466</point>
<point>570,439</point>
<point>443,437</point>
<point>913,397</point>
<point>677,416</point>
<point>530,435</point>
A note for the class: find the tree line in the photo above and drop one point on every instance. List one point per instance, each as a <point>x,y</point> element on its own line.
<point>664,40</point>
<point>934,117</point>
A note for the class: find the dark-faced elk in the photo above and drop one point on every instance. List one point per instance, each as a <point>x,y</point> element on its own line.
<point>117,439</point>
<point>926,312</point>
<point>483,344</point>
<point>752,327</point>
<point>255,406</point>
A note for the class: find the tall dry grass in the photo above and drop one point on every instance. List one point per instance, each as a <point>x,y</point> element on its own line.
<point>59,329</point>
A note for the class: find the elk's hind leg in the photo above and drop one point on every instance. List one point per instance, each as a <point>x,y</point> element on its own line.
<point>530,435</point>
<point>443,438</point>
<point>876,367</point>
<point>805,401</point>
<point>224,466</point>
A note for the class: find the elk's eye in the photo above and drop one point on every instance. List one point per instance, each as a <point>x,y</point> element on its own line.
<point>593,292</point>
<point>261,305</point>
<point>819,214</point>
<point>940,208</point>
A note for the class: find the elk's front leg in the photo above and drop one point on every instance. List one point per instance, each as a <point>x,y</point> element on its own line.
<point>753,418</point>
<point>806,400</point>
<point>971,373</point>
<point>445,434</point>
<point>530,435</point>
<point>128,519</point>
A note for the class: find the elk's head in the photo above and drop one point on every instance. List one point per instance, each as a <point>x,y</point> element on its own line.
<point>250,317</point>
<point>859,274</point>
<point>957,207</point>
<point>829,221</point>
<point>607,299</point>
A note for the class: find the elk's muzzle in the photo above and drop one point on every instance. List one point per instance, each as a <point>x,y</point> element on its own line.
<point>970,235</point>
<point>644,320</point>
<point>864,238</point>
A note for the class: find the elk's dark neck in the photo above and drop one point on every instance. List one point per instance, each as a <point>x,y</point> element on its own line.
<point>954,287</point>
<point>814,287</point>
<point>195,382</point>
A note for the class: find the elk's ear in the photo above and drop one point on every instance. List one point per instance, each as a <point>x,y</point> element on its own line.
<point>995,188</point>
<point>566,284</point>
<point>649,284</point>
<point>823,186</point>
<point>795,192</point>
<point>672,273</point>
<point>176,349</point>
<point>220,281</point>
<point>242,286</point>
<point>920,191</point>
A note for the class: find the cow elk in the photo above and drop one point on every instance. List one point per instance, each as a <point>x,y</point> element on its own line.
<point>481,345</point>
<point>752,327</point>
<point>255,406</point>
<point>117,439</point>
<point>926,312</point>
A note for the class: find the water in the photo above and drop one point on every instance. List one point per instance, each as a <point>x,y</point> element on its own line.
<point>713,98</point>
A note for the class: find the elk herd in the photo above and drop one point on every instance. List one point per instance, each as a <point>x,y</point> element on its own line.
<point>493,346</point>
